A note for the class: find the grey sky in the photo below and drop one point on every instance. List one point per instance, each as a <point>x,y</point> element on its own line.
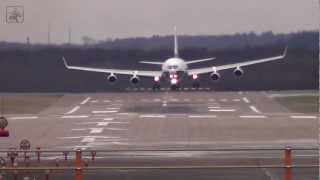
<point>103,19</point>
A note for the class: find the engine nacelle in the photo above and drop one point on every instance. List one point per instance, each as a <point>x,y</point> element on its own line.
<point>215,76</point>
<point>134,80</point>
<point>238,72</point>
<point>112,78</point>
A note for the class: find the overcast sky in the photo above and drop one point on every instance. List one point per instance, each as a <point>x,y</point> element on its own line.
<point>103,19</point>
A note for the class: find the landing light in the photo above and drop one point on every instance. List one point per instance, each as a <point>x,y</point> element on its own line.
<point>171,76</point>
<point>156,79</point>
<point>175,76</point>
<point>174,81</point>
<point>195,76</point>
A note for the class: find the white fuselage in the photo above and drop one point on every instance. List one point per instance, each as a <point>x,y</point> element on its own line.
<point>174,69</point>
<point>174,65</point>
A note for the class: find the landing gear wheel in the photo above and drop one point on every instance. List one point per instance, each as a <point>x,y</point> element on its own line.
<point>156,87</point>
<point>175,88</point>
<point>196,85</point>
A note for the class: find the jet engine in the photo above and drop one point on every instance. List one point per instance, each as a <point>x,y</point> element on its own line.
<point>112,78</point>
<point>215,76</point>
<point>134,79</point>
<point>238,72</point>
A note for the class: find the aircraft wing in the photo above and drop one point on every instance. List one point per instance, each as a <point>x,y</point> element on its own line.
<point>235,65</point>
<point>114,71</point>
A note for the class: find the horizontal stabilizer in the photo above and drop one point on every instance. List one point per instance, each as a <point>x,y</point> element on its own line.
<point>151,62</point>
<point>200,60</point>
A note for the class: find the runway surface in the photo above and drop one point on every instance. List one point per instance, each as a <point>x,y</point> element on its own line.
<point>168,120</point>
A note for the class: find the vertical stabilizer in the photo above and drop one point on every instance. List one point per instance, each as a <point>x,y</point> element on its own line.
<point>176,46</point>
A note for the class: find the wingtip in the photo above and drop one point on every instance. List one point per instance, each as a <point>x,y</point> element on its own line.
<point>285,52</point>
<point>64,61</point>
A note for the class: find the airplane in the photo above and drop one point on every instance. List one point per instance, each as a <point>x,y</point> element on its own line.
<point>175,69</point>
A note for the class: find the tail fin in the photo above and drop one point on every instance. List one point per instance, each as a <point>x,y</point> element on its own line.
<point>176,45</point>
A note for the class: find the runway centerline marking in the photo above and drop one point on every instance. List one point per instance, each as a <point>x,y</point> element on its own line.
<point>85,101</point>
<point>79,129</point>
<point>221,110</point>
<point>303,117</point>
<point>73,110</point>
<point>254,109</point>
<point>152,116</point>
<point>108,119</point>
<point>253,117</point>
<point>24,118</point>
<point>74,117</point>
<point>246,100</point>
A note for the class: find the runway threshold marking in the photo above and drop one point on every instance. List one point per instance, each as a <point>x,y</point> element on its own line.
<point>303,117</point>
<point>221,110</point>
<point>73,110</point>
<point>254,109</point>
<point>24,118</point>
<point>152,116</point>
<point>202,116</point>
<point>85,101</point>
<point>246,100</point>
<point>253,117</point>
<point>74,117</point>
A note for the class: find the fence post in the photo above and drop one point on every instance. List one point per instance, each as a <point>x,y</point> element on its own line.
<point>38,154</point>
<point>78,163</point>
<point>288,163</point>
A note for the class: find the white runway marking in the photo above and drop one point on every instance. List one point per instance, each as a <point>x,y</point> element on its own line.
<point>164,104</point>
<point>117,129</point>
<point>96,130</point>
<point>85,101</point>
<point>78,129</point>
<point>214,107</point>
<point>73,110</point>
<point>106,101</point>
<point>303,117</point>
<point>113,108</point>
<point>152,116</point>
<point>156,100</point>
<point>223,100</point>
<point>88,139</point>
<point>94,101</point>
<point>246,100</point>
<point>24,118</point>
<point>202,116</point>
<point>254,109</point>
<point>73,117</point>
<point>221,110</point>
<point>108,119</point>
<point>236,100</point>
<point>116,104</point>
<point>103,124</point>
<point>253,117</point>
<point>186,100</point>
<point>103,112</point>
<point>119,100</point>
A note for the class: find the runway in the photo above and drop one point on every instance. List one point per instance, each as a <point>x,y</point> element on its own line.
<point>168,120</point>
<point>164,120</point>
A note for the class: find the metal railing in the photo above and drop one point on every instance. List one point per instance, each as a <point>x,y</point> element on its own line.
<point>78,164</point>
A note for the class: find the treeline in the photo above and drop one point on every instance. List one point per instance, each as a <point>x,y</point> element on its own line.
<point>40,69</point>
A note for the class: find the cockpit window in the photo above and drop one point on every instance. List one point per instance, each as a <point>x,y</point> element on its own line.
<point>172,67</point>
